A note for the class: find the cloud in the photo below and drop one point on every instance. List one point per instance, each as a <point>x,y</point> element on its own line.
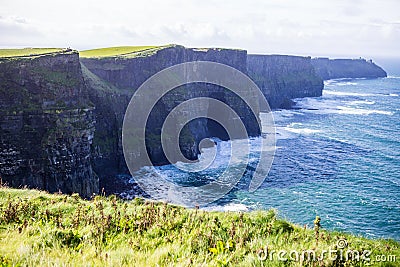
<point>308,27</point>
<point>16,31</point>
<point>20,20</point>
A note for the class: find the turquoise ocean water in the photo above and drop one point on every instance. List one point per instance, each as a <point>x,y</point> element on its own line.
<point>338,157</point>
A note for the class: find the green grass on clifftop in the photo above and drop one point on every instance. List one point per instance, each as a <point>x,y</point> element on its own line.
<point>24,52</point>
<point>40,229</point>
<point>117,51</point>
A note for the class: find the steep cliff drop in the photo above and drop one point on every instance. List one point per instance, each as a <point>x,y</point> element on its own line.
<point>47,123</point>
<point>347,68</point>
<point>61,116</point>
<point>114,79</point>
<point>282,78</point>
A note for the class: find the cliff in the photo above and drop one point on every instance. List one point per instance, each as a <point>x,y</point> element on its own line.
<point>61,116</point>
<point>46,124</point>
<point>282,78</point>
<point>347,68</point>
<point>113,81</point>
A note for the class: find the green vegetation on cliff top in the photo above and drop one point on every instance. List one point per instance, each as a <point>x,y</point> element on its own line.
<point>126,51</point>
<point>26,52</point>
<point>41,229</point>
<point>118,51</point>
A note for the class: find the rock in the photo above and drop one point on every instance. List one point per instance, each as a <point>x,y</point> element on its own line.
<point>282,78</point>
<point>46,124</point>
<point>61,116</point>
<point>114,80</point>
<point>347,68</point>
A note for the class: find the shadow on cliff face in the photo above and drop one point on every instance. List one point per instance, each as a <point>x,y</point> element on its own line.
<point>47,124</point>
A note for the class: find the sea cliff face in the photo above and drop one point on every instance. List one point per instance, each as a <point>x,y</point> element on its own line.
<point>114,80</point>
<point>347,68</point>
<point>61,116</point>
<point>282,78</point>
<point>47,124</point>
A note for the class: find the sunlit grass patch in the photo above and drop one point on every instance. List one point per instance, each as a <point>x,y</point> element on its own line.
<point>115,51</point>
<point>28,52</point>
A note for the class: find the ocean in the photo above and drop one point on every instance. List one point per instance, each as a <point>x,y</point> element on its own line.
<point>338,157</point>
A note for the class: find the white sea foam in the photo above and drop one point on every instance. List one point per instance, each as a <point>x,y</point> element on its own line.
<point>282,133</point>
<point>346,83</point>
<point>330,92</point>
<point>361,102</point>
<point>328,82</point>
<point>228,207</point>
<point>302,130</point>
<point>315,103</point>
<point>393,95</point>
<point>355,111</point>
<point>294,128</point>
<point>339,224</point>
<point>331,107</point>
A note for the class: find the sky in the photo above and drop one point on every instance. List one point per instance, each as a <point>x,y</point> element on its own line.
<point>337,28</point>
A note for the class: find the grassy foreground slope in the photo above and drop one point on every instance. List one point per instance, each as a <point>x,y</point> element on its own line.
<point>40,229</point>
